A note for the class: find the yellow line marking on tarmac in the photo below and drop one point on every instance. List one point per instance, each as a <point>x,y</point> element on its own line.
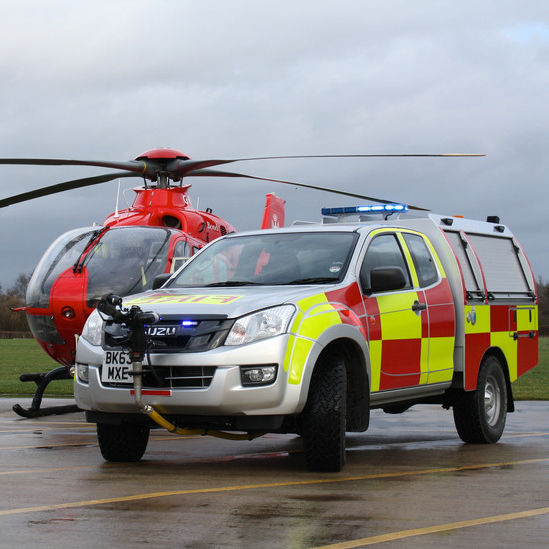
<point>83,423</point>
<point>91,443</point>
<point>48,470</point>
<point>34,430</point>
<point>519,435</point>
<point>392,536</point>
<point>154,495</point>
<point>45,445</point>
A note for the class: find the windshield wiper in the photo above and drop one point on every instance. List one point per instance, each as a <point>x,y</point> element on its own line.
<point>233,283</point>
<point>313,280</point>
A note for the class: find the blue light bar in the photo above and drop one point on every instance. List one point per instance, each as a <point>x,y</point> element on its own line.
<point>375,208</point>
<point>189,323</point>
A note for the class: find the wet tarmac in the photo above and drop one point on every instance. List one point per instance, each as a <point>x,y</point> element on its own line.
<point>408,482</point>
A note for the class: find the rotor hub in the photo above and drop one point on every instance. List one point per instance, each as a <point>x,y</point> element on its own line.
<point>163,153</point>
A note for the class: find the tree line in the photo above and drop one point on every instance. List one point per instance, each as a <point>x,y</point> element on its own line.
<point>14,297</point>
<point>11,298</point>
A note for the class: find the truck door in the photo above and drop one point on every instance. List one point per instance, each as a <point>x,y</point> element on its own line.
<point>395,320</point>
<point>440,337</point>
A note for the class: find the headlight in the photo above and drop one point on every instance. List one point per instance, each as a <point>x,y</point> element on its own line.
<point>260,325</point>
<point>93,329</point>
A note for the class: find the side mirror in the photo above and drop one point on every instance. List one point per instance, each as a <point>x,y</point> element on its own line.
<point>160,280</point>
<point>385,279</point>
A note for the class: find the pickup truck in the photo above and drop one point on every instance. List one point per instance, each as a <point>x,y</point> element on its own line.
<point>306,329</point>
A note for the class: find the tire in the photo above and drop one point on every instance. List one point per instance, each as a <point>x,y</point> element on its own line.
<point>324,417</point>
<point>480,415</point>
<point>125,442</point>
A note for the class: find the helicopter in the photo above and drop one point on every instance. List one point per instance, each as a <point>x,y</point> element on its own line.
<point>156,235</point>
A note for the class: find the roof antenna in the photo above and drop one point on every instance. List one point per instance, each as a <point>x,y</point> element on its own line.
<point>116,214</point>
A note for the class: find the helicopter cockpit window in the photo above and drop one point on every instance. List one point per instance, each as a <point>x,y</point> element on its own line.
<point>60,256</point>
<point>270,259</point>
<point>181,254</point>
<point>125,261</point>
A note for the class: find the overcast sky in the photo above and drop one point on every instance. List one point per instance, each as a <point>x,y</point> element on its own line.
<point>224,79</point>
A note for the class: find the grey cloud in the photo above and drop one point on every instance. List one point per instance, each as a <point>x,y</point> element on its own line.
<point>245,78</point>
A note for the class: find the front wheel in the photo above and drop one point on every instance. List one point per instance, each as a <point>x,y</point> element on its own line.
<point>480,415</point>
<point>125,442</point>
<point>324,418</point>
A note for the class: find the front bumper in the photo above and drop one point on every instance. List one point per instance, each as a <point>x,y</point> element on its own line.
<point>225,395</point>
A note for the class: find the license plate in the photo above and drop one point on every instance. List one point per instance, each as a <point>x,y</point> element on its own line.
<point>116,367</point>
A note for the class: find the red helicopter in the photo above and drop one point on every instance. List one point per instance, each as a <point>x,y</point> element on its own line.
<point>156,235</point>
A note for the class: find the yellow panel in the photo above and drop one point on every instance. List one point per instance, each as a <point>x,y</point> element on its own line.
<point>398,321</point>
<point>509,347</point>
<point>297,321</point>
<point>314,317</point>
<point>308,302</point>
<point>527,317</point>
<point>477,319</point>
<point>441,376</point>
<point>288,355</point>
<point>409,260</point>
<point>301,350</point>
<point>424,361</point>
<point>375,364</point>
<point>313,326</point>
<point>441,359</point>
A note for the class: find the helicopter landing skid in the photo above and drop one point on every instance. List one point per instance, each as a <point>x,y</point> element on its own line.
<point>42,380</point>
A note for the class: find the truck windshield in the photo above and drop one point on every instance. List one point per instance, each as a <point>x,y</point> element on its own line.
<point>270,259</point>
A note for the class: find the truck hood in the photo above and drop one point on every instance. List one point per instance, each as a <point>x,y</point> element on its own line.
<point>233,302</point>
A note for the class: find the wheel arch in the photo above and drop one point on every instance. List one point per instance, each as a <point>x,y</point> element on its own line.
<point>358,381</point>
<point>497,353</point>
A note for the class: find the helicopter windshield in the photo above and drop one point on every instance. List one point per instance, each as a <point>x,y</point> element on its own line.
<point>61,255</point>
<point>270,259</point>
<point>125,261</point>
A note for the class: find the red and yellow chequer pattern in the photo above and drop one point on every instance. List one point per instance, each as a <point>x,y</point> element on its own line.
<point>511,328</point>
<point>316,314</point>
<point>407,347</point>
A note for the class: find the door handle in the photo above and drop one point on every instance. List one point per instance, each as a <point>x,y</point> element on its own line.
<point>417,306</point>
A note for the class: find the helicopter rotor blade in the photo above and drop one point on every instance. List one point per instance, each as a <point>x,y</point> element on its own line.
<point>66,186</point>
<point>219,173</point>
<point>183,168</point>
<point>137,166</point>
<point>177,168</point>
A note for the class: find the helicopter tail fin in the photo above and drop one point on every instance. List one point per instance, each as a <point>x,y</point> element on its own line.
<point>273,215</point>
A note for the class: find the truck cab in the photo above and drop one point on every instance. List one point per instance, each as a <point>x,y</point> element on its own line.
<point>305,329</point>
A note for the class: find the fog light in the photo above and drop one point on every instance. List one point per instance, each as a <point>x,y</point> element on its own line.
<point>258,375</point>
<point>83,372</point>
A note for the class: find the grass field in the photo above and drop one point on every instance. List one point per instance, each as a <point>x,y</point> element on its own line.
<point>18,356</point>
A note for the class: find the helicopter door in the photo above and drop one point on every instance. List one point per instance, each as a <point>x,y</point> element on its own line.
<point>181,254</point>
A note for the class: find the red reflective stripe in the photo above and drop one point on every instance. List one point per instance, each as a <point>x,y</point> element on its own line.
<point>152,392</point>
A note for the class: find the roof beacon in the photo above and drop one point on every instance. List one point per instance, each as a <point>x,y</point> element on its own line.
<point>365,212</point>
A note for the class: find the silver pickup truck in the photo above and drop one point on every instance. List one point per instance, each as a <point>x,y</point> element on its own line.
<point>305,329</point>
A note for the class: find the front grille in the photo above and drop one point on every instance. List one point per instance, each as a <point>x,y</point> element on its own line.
<point>177,334</point>
<point>174,377</point>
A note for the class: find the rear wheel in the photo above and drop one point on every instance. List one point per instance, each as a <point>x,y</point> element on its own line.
<point>480,415</point>
<point>324,417</point>
<point>125,442</point>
